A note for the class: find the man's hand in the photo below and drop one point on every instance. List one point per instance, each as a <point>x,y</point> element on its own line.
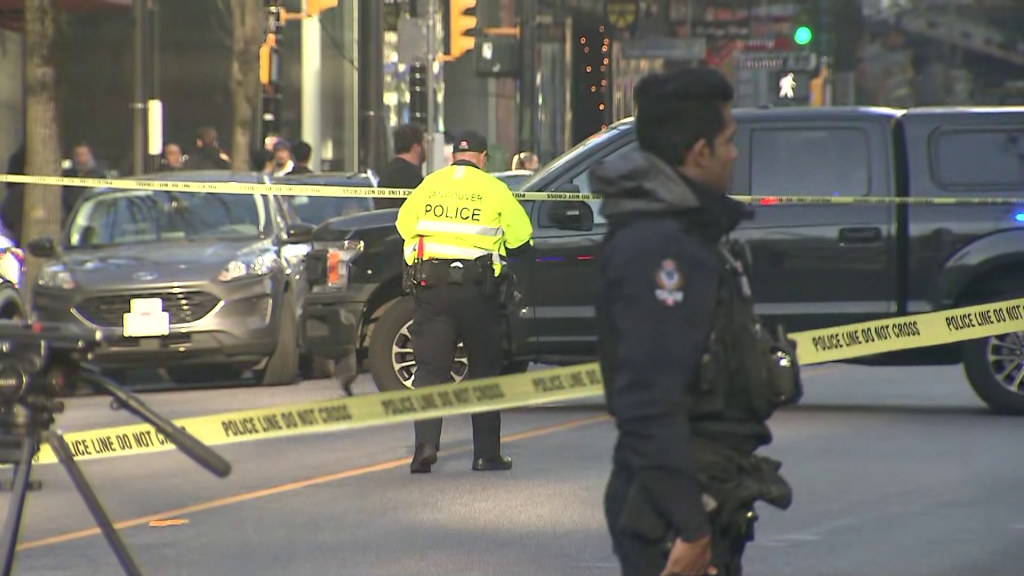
<point>690,558</point>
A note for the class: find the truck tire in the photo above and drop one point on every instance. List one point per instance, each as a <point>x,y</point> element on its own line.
<point>995,365</point>
<point>282,367</point>
<point>392,363</point>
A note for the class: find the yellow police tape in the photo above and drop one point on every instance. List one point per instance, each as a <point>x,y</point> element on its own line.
<point>356,192</point>
<point>532,388</point>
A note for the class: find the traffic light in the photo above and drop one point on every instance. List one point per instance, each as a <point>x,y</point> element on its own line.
<point>459,27</point>
<point>805,24</point>
<point>803,35</point>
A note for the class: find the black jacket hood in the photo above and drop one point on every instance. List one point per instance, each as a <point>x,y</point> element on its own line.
<point>640,184</point>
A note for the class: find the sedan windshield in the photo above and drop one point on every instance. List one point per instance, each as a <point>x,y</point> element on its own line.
<point>135,216</point>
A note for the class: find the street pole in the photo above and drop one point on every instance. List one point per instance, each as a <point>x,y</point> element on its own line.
<point>373,123</point>
<point>311,88</point>
<point>528,77</point>
<point>139,117</point>
<point>431,96</point>
<point>154,116</point>
<point>431,57</point>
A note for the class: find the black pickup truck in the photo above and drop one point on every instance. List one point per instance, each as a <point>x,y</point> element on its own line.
<point>814,265</point>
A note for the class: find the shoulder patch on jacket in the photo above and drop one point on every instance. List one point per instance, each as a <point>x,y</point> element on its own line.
<point>670,283</point>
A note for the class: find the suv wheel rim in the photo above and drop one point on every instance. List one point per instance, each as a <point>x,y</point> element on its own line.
<point>404,361</point>
<point>1005,355</point>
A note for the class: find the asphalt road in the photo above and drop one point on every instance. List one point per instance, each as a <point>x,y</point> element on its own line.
<point>895,471</point>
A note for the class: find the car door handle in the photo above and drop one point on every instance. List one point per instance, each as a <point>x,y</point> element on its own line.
<point>860,235</point>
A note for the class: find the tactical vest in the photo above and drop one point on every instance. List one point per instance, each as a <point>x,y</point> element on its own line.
<point>746,372</point>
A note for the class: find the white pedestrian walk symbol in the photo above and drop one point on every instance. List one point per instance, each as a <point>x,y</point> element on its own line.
<point>786,85</point>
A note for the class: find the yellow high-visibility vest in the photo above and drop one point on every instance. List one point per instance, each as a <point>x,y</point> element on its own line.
<point>462,213</point>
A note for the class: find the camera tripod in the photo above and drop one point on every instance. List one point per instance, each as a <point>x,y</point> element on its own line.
<point>26,424</point>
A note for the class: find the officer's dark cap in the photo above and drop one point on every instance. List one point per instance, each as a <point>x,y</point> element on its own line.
<point>469,141</point>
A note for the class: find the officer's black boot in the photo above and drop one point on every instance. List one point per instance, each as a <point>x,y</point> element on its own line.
<point>428,444</point>
<point>424,457</point>
<point>492,463</point>
<point>487,443</point>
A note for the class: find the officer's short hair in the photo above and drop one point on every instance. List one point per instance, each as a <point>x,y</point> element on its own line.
<point>406,136</point>
<point>675,110</point>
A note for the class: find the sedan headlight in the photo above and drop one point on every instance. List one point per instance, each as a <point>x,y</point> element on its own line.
<point>56,276</point>
<point>338,261</point>
<point>248,266</point>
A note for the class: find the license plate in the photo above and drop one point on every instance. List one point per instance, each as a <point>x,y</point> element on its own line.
<point>146,318</point>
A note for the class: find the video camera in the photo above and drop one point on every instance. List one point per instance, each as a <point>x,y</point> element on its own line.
<point>40,362</point>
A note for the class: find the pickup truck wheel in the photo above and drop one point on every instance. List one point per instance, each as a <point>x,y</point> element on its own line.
<point>995,365</point>
<point>995,368</point>
<point>392,362</point>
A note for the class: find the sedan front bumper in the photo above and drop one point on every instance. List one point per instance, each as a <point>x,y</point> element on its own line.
<point>216,323</point>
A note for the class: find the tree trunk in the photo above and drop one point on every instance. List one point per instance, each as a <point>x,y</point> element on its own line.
<point>248,30</point>
<point>42,207</point>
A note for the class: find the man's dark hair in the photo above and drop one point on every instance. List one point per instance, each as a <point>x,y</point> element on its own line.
<point>406,136</point>
<point>302,152</point>
<point>207,135</point>
<point>675,110</point>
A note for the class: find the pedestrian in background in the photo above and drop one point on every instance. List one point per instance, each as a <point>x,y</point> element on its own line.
<point>690,375</point>
<point>83,165</point>
<point>301,153</point>
<point>172,158</point>
<point>525,161</point>
<point>405,170</point>
<point>282,158</point>
<point>207,155</point>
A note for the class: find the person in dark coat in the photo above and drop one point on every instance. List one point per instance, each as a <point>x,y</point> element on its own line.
<point>83,165</point>
<point>301,153</point>
<point>208,155</point>
<point>14,201</point>
<point>405,169</point>
<point>681,365</point>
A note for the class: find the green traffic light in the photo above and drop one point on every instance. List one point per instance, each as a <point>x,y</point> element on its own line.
<point>802,35</point>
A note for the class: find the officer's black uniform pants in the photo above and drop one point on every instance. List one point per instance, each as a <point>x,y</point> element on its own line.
<point>639,556</point>
<point>444,315</point>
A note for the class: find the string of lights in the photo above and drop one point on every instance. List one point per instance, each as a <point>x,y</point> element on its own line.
<point>591,86</point>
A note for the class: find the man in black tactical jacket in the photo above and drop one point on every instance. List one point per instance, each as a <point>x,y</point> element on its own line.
<point>690,376</point>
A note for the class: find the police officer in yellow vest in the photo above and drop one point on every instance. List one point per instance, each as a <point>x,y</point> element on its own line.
<point>459,225</point>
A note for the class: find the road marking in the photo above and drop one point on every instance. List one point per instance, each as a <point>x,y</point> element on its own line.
<point>280,489</point>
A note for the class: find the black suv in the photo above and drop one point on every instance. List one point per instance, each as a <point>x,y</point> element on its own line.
<point>814,265</point>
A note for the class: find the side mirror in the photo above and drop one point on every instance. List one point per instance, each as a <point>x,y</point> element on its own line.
<point>300,233</point>
<point>572,216</point>
<point>44,247</point>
